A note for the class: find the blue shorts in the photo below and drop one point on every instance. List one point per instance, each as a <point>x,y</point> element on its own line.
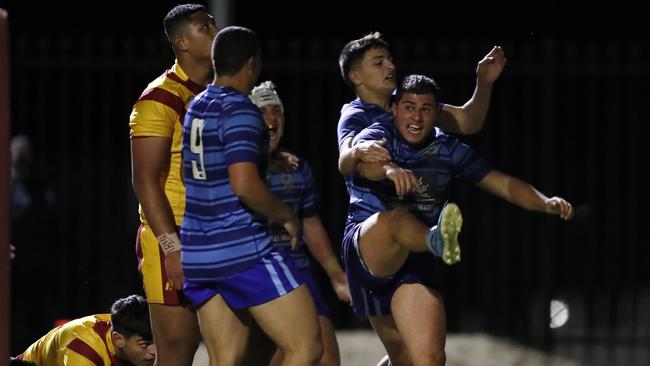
<point>371,295</point>
<point>307,277</point>
<point>272,276</point>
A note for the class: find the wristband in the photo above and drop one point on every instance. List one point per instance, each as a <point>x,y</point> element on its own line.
<point>169,243</point>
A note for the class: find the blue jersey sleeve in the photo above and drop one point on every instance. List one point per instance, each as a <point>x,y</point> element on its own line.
<point>467,164</point>
<point>375,132</point>
<point>351,123</point>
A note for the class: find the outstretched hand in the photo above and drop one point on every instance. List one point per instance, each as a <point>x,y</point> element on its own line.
<point>559,206</point>
<point>490,67</point>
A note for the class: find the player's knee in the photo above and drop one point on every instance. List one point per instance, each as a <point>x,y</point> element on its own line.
<point>176,348</point>
<point>308,352</point>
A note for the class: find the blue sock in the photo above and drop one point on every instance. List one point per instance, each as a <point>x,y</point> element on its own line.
<point>434,242</point>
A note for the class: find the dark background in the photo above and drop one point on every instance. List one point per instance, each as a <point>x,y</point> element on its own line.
<point>567,115</point>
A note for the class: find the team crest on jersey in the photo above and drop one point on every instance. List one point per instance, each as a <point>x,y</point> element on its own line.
<point>287,180</point>
<point>421,201</point>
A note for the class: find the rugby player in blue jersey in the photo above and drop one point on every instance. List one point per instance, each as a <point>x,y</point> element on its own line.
<point>295,186</point>
<point>366,65</point>
<point>388,255</point>
<point>231,269</point>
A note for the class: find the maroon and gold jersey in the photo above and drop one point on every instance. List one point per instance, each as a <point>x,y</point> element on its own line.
<point>159,112</point>
<point>81,342</point>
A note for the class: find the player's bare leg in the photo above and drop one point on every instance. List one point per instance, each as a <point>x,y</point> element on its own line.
<point>419,314</point>
<point>386,238</point>
<point>291,321</point>
<point>386,329</point>
<point>224,332</point>
<point>416,333</point>
<point>176,334</point>
<point>331,355</point>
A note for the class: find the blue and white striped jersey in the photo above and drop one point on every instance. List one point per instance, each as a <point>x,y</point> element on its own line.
<point>220,236</point>
<point>436,165</point>
<point>296,189</point>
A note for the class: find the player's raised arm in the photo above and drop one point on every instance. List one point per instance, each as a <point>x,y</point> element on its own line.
<point>469,118</point>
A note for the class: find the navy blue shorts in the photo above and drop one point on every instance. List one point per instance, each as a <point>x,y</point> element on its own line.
<point>371,295</point>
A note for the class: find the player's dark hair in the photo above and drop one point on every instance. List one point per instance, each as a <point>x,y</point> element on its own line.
<point>178,16</point>
<point>231,48</point>
<point>417,84</point>
<point>130,316</point>
<point>353,52</point>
